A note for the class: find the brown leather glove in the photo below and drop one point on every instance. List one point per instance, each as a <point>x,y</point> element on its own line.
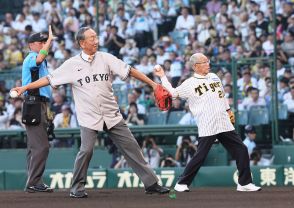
<point>231,116</point>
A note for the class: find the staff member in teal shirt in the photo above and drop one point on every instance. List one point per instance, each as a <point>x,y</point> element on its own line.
<point>35,67</point>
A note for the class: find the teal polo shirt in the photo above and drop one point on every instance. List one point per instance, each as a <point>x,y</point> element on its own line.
<point>30,65</point>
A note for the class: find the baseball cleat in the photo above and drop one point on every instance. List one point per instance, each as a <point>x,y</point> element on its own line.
<point>181,188</point>
<point>156,189</point>
<point>39,188</point>
<point>79,194</point>
<point>248,187</point>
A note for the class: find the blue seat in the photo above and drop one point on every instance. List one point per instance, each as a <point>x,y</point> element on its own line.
<point>282,111</point>
<point>258,115</point>
<point>243,117</point>
<point>154,110</point>
<point>156,118</point>
<point>175,116</point>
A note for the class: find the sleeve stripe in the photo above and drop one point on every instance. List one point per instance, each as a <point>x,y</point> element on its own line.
<point>49,79</point>
<point>129,70</point>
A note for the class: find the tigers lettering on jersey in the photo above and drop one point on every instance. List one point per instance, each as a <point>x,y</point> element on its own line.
<point>205,97</point>
<point>94,78</point>
<point>200,89</point>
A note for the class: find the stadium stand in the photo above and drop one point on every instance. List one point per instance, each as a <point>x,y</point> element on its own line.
<point>224,32</point>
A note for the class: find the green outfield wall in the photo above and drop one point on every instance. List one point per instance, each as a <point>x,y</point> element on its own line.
<point>221,176</point>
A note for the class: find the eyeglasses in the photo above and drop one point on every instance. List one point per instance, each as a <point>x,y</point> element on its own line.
<point>205,62</point>
<point>92,38</point>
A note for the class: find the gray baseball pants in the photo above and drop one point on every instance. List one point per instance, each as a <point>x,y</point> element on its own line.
<point>37,149</point>
<point>125,142</point>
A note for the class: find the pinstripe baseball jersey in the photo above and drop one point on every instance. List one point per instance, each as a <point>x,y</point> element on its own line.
<point>205,96</point>
<point>91,84</point>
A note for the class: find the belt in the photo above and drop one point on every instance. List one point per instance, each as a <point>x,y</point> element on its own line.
<point>37,98</point>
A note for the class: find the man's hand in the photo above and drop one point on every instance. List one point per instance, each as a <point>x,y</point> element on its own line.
<point>231,116</point>
<point>19,90</point>
<point>50,34</point>
<point>158,70</point>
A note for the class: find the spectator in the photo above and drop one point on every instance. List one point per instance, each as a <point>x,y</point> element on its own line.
<point>213,7</point>
<point>15,103</point>
<point>58,101</point>
<point>288,94</point>
<point>15,122</point>
<point>114,42</point>
<point>142,23</point>
<point>290,102</point>
<point>168,19</point>
<point>119,17</point>
<point>288,47</point>
<point>125,31</point>
<point>161,56</point>
<point>13,54</point>
<point>103,23</point>
<point>175,68</point>
<point>144,67</point>
<point>185,151</point>
<point>267,91</point>
<point>38,23</point>
<point>185,21</point>
<point>268,45</point>
<point>253,99</point>
<point>151,152</point>
<point>20,23</point>
<point>132,98</point>
<point>283,88</point>
<point>250,136</point>
<point>261,24</point>
<point>88,21</point>
<point>263,72</point>
<point>133,118</point>
<point>176,105</point>
<point>71,23</point>
<point>36,7</point>
<point>4,117</point>
<point>65,119</point>
<point>169,162</point>
<point>246,81</point>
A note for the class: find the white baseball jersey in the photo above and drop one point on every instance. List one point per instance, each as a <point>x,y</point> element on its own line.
<point>92,87</point>
<point>205,96</point>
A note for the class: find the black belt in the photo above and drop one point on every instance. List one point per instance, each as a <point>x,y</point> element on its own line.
<point>37,98</point>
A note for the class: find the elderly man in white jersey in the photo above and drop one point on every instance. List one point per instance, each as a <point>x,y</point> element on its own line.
<point>90,75</point>
<point>205,96</point>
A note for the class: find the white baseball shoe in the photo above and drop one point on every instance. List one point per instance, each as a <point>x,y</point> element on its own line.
<point>248,187</point>
<point>181,188</point>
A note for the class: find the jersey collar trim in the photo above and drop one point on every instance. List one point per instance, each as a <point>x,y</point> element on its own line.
<point>198,76</point>
<point>85,56</point>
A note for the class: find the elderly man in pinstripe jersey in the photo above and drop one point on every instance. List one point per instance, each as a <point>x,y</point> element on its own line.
<point>205,95</point>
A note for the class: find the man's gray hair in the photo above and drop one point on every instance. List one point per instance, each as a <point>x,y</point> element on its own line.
<point>194,59</point>
<point>81,34</point>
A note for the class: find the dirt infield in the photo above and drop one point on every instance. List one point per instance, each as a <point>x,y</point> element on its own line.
<point>135,198</point>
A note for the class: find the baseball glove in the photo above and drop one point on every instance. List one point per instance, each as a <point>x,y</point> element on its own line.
<point>163,98</point>
<point>232,117</point>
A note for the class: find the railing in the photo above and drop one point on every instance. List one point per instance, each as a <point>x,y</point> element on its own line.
<point>155,130</point>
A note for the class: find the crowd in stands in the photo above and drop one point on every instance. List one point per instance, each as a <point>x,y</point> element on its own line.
<point>166,32</point>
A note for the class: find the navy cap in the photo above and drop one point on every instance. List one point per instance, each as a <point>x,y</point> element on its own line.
<point>38,37</point>
<point>249,129</point>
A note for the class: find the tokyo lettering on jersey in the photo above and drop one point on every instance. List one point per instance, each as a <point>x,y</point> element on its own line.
<point>91,84</point>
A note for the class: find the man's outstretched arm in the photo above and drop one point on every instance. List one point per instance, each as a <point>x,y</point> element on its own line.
<point>33,85</point>
<point>142,77</point>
